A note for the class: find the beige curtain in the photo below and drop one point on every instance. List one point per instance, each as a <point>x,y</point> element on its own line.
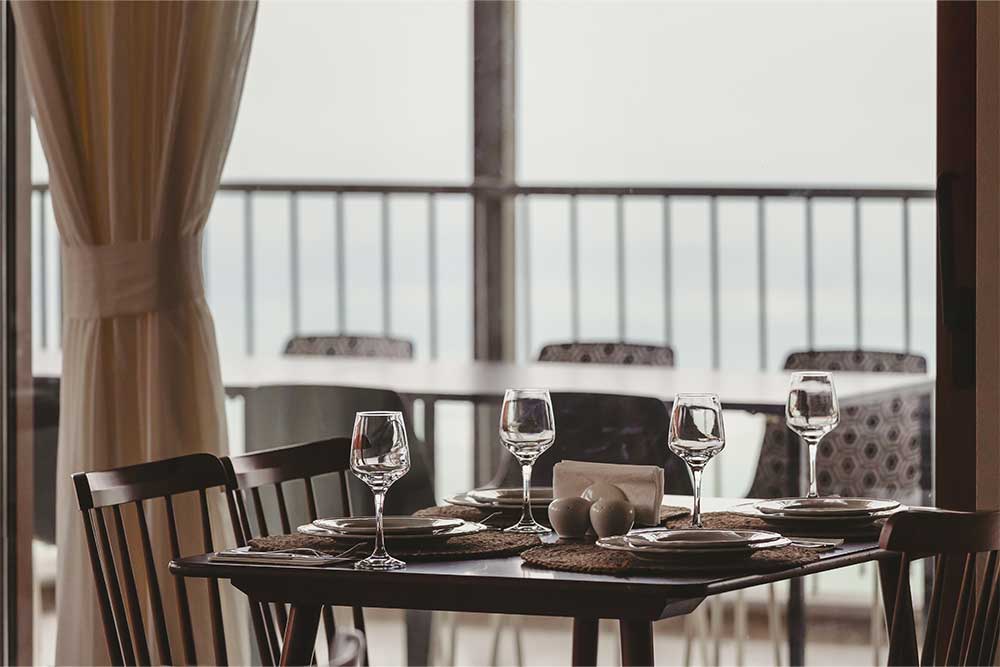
<point>135,105</point>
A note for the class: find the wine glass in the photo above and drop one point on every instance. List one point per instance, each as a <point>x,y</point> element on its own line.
<point>527,428</point>
<point>379,456</point>
<point>812,412</point>
<point>696,435</point>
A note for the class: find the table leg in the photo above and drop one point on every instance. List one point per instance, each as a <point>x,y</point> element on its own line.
<point>584,641</point>
<point>418,636</point>
<point>637,642</point>
<point>300,635</point>
<point>796,622</point>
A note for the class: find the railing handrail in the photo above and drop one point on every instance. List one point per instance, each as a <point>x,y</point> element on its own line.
<point>495,189</point>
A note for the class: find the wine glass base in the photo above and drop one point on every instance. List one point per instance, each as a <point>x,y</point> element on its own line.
<point>379,563</point>
<point>528,529</point>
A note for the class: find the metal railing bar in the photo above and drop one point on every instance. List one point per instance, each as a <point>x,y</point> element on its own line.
<point>486,188</point>
<point>386,267</point>
<point>43,278</point>
<point>294,262</point>
<point>524,233</point>
<point>810,278</point>
<point>620,262</point>
<point>907,315</point>
<point>248,271</point>
<point>432,279</point>
<point>762,281</point>
<point>858,305</point>
<point>668,274</point>
<point>713,260</point>
<point>574,269</point>
<point>340,253</point>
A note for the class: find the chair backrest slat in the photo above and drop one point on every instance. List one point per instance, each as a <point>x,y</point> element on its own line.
<point>131,592</point>
<point>311,497</point>
<point>153,583</point>
<point>104,601</point>
<point>114,589</point>
<point>952,657</point>
<point>969,541</point>
<point>934,612</point>
<point>214,600</point>
<point>286,525</point>
<point>974,645</point>
<point>258,506</point>
<point>183,607</point>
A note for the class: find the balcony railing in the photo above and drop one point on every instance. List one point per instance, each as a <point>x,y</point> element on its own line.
<point>612,271</point>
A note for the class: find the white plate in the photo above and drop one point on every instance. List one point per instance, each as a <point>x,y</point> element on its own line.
<point>465,500</point>
<point>391,525</point>
<point>702,538</point>
<point>466,528</point>
<point>511,496</point>
<point>781,519</point>
<point>825,507</point>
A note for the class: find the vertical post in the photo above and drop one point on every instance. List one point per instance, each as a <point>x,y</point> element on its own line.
<point>907,313</point>
<point>574,268</point>
<point>493,45</point>
<point>16,383</point>
<point>524,238</point>
<point>620,264</point>
<point>810,279</point>
<point>858,285</point>
<point>386,268</point>
<point>762,282</point>
<point>294,263</point>
<point>248,286</point>
<point>668,274</point>
<point>713,262</point>
<point>432,283</point>
<point>43,278</point>
<point>341,254</point>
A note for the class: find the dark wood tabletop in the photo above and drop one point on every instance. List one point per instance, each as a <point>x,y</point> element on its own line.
<point>503,585</point>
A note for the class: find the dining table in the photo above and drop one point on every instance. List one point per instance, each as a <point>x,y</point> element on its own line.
<point>507,585</point>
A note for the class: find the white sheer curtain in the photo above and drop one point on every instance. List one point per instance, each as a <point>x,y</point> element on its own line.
<point>135,105</point>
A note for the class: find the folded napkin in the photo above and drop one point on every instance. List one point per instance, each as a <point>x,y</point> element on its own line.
<point>642,485</point>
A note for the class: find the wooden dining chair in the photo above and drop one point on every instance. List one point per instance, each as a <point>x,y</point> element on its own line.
<point>605,428</point>
<point>968,542</point>
<point>279,470</point>
<point>382,347</point>
<point>111,492</point>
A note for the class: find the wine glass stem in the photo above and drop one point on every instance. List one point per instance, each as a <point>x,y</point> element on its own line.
<point>813,446</point>
<point>379,535</point>
<point>696,483</point>
<point>526,496</point>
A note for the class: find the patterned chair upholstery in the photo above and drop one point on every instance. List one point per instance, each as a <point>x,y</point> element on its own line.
<point>609,353</point>
<point>382,347</point>
<point>880,449</point>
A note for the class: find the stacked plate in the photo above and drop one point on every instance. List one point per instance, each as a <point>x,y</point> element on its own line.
<point>395,528</point>
<point>832,515</point>
<point>694,547</point>
<point>502,499</point>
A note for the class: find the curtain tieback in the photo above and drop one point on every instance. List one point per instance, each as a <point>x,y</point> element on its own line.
<point>132,277</point>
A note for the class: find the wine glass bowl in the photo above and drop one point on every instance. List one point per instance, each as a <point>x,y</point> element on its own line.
<point>380,455</point>
<point>527,429</point>
<point>697,434</point>
<point>812,411</point>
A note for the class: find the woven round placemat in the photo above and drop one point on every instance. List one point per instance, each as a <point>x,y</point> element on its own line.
<point>592,559</point>
<point>490,544</point>
<point>734,521</point>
